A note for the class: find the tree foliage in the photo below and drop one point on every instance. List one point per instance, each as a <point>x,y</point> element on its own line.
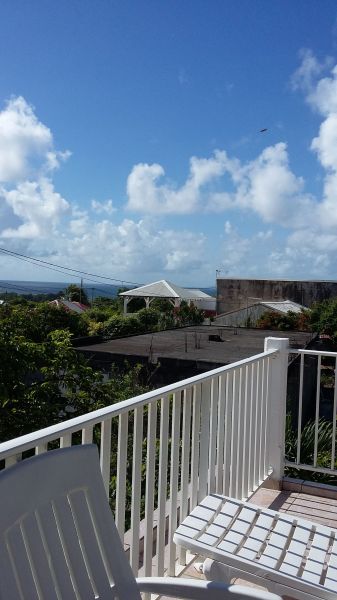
<point>36,320</point>
<point>43,380</point>
<point>75,293</point>
<point>188,315</point>
<point>324,318</point>
<point>290,321</point>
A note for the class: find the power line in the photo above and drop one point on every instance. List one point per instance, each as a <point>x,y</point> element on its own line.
<point>14,288</point>
<point>44,262</point>
<point>19,257</point>
<point>24,289</point>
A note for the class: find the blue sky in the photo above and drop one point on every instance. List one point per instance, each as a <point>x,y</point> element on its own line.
<point>130,141</point>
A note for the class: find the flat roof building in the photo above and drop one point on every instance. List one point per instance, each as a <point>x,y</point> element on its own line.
<point>236,293</point>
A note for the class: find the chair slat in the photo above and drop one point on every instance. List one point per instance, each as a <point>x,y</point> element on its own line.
<point>9,581</point>
<point>90,544</point>
<point>42,567</point>
<point>56,552</point>
<point>21,565</point>
<point>70,542</point>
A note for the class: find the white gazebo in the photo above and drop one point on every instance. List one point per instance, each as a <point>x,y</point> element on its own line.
<point>174,293</point>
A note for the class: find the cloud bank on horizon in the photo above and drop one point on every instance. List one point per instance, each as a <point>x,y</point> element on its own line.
<point>135,242</point>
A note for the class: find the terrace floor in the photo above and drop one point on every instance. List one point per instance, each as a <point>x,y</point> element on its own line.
<point>319,509</point>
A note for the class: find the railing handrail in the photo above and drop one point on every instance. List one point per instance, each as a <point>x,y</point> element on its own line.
<point>313,352</point>
<point>53,432</point>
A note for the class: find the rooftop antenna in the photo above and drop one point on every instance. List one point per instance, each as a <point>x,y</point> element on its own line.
<point>219,271</point>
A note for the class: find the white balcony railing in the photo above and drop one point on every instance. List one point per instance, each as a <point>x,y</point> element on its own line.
<point>163,451</point>
<point>314,417</point>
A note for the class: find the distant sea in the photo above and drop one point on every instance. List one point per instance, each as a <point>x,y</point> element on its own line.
<point>53,287</point>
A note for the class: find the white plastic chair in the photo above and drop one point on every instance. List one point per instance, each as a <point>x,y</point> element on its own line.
<point>287,555</point>
<point>58,540</point>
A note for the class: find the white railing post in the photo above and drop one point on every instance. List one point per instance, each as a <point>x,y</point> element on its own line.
<point>276,403</point>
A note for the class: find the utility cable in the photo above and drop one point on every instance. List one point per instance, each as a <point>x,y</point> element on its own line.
<point>30,258</point>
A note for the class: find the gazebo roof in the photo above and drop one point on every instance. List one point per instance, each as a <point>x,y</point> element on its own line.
<point>165,289</point>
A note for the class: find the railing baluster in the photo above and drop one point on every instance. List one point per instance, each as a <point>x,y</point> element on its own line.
<point>65,440</point>
<point>175,435</point>
<point>149,491</point>
<point>235,439</point>
<point>334,417</point>
<point>240,434</point>
<point>318,391</point>
<point>264,421</point>
<point>220,434</point>
<point>137,457</point>
<point>122,456</point>
<point>105,450</point>
<point>267,385</point>
<point>87,434</point>
<point>300,401</point>
<point>12,460</point>
<point>185,463</point>
<point>257,428</point>
<point>213,434</point>
<point>251,399</point>
<point>41,448</point>
<point>228,434</point>
<point>245,439</point>
<point>204,438</point>
<point>195,445</point>
<point>162,484</point>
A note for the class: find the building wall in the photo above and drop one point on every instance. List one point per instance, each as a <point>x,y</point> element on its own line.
<point>209,306</point>
<point>233,294</point>
<point>238,318</point>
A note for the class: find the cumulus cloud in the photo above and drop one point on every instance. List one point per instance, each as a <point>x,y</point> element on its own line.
<point>322,96</point>
<point>266,186</point>
<point>34,215</point>
<point>25,142</point>
<point>138,248</point>
<point>27,158</point>
<point>147,194</point>
<point>269,188</point>
<point>310,69</point>
<point>103,207</point>
<point>38,205</point>
<point>36,218</point>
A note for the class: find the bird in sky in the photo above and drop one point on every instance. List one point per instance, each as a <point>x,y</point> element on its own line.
<point>263,130</point>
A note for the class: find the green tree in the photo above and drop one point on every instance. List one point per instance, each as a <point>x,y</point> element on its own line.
<point>75,293</point>
<point>42,383</point>
<point>324,317</point>
<point>188,315</point>
<point>148,319</point>
<point>290,321</point>
<point>36,320</point>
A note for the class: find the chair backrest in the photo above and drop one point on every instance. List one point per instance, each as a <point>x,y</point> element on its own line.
<point>58,539</point>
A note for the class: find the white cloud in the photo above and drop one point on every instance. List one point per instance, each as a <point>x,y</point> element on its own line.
<point>269,188</point>
<point>35,216</point>
<point>322,96</point>
<point>25,143</point>
<point>37,205</point>
<point>264,235</point>
<point>266,186</point>
<point>228,227</point>
<point>309,70</point>
<point>27,158</point>
<point>103,207</point>
<point>55,158</point>
<point>138,248</point>
<point>147,195</point>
